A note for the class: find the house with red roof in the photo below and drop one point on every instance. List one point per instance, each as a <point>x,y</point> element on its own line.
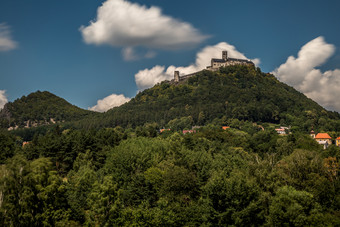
<point>323,139</point>
<point>337,141</point>
<point>280,131</point>
<point>188,131</point>
<point>164,129</point>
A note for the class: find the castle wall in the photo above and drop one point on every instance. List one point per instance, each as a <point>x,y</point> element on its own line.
<point>215,65</point>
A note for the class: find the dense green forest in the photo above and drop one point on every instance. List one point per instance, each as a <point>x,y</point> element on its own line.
<point>118,169</point>
<point>140,177</point>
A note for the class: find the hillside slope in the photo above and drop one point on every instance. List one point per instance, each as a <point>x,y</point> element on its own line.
<point>39,108</point>
<point>235,92</point>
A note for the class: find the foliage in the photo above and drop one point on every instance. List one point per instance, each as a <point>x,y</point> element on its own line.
<point>214,177</point>
<point>234,92</point>
<point>246,175</point>
<point>39,108</point>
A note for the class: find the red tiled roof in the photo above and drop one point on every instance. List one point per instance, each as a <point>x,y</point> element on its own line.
<point>188,131</point>
<point>322,136</point>
<point>338,138</point>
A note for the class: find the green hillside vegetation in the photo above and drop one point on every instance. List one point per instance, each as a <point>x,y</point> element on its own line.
<point>235,92</point>
<point>117,177</point>
<point>39,108</point>
<point>117,169</point>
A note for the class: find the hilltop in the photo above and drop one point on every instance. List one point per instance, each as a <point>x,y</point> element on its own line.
<point>39,108</point>
<point>233,92</point>
<point>239,92</point>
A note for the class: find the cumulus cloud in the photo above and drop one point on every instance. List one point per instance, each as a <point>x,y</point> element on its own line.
<point>109,102</point>
<point>6,42</point>
<point>148,77</point>
<point>3,98</point>
<point>124,24</point>
<point>302,74</point>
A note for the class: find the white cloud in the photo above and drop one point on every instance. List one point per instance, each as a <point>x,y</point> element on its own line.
<point>125,24</point>
<point>129,54</point>
<point>3,98</point>
<point>148,77</point>
<point>302,74</point>
<point>109,102</point>
<point>6,42</point>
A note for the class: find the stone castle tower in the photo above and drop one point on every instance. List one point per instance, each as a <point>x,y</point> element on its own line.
<point>176,76</point>
<point>225,55</point>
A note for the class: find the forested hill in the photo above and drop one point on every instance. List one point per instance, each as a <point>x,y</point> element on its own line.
<point>39,108</point>
<point>235,92</point>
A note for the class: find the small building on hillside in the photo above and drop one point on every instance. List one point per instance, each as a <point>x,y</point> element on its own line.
<point>323,139</point>
<point>282,130</point>
<point>164,129</point>
<point>225,127</point>
<point>188,131</point>
<point>337,141</point>
<point>312,134</point>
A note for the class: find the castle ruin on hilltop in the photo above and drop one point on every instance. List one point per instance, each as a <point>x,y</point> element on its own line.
<point>215,65</point>
<point>226,61</point>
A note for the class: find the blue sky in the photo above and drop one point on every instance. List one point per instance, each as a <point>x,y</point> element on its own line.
<point>130,45</point>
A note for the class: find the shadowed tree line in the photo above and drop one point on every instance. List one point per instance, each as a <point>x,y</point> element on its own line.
<point>130,177</point>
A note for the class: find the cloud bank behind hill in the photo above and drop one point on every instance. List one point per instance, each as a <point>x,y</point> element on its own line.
<point>301,72</point>
<point>109,102</point>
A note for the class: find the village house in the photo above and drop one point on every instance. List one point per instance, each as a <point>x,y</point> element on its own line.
<point>164,129</point>
<point>188,131</point>
<point>282,130</point>
<point>312,134</point>
<point>337,141</point>
<point>323,139</point>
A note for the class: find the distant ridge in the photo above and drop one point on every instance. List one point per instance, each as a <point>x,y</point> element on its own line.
<point>39,108</point>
